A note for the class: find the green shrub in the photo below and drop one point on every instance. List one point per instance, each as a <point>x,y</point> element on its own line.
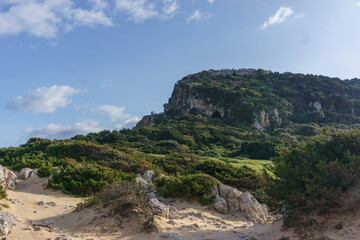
<point>3,193</point>
<point>315,174</point>
<point>45,171</point>
<point>86,179</point>
<point>193,185</point>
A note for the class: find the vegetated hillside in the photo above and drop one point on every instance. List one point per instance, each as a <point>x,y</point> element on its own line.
<point>263,99</point>
<point>215,127</point>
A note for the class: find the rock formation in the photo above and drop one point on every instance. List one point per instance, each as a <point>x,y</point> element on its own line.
<point>231,200</point>
<point>7,221</point>
<point>25,173</point>
<point>7,177</point>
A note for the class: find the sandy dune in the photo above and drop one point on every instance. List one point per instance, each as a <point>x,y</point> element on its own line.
<point>198,222</point>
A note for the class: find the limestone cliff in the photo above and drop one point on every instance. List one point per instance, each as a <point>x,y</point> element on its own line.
<point>262,99</point>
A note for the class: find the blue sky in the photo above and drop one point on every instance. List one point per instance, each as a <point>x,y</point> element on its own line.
<point>79,66</point>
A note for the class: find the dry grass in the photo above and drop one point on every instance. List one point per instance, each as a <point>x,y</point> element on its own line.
<point>123,200</point>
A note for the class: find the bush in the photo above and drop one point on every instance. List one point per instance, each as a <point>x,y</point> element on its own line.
<point>122,200</point>
<point>3,193</point>
<point>193,185</point>
<point>86,179</point>
<point>315,174</point>
<point>45,171</point>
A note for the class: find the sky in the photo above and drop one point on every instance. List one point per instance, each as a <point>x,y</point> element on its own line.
<point>72,67</point>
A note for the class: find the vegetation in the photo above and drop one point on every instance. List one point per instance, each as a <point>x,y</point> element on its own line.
<point>306,158</point>
<point>122,200</point>
<point>315,175</point>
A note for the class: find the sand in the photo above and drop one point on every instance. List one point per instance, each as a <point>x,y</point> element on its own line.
<point>199,222</point>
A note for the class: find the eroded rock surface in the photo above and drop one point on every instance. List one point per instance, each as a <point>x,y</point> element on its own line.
<point>231,200</point>
<point>7,177</point>
<point>7,221</point>
<point>25,173</point>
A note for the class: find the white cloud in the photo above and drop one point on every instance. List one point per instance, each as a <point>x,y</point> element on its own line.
<point>170,7</point>
<point>280,16</point>
<point>45,18</point>
<point>59,131</point>
<point>211,1</point>
<point>198,16</point>
<point>129,123</point>
<point>141,10</point>
<point>117,114</point>
<point>99,4</point>
<point>113,112</point>
<point>357,4</point>
<point>44,100</point>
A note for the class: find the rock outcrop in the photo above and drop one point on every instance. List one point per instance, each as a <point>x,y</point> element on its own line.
<point>7,177</point>
<point>7,221</point>
<point>158,205</point>
<point>25,173</point>
<point>231,200</point>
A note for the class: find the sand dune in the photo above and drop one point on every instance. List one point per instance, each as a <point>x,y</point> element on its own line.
<point>197,221</point>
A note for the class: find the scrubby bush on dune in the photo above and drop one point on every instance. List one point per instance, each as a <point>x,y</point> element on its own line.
<point>123,199</point>
<point>315,175</point>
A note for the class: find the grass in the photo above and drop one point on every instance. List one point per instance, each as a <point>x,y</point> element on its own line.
<point>255,164</point>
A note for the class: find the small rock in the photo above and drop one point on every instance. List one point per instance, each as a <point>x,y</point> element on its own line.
<point>170,236</point>
<point>41,203</point>
<point>171,222</point>
<point>51,204</point>
<point>26,228</point>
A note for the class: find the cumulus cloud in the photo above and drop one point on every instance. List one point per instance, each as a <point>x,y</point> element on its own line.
<point>129,123</point>
<point>59,131</point>
<point>113,112</point>
<point>280,16</point>
<point>211,1</point>
<point>141,10</point>
<point>44,100</point>
<point>45,18</point>
<point>117,114</point>
<point>198,16</point>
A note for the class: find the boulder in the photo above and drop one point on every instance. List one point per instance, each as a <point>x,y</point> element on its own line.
<point>149,175</point>
<point>142,182</point>
<point>254,211</point>
<point>7,177</point>
<point>159,208</point>
<point>231,200</point>
<point>221,205</point>
<point>7,221</point>
<point>25,173</point>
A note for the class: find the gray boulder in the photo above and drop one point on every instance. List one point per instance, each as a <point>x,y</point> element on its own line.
<point>221,205</point>
<point>7,177</point>
<point>25,173</point>
<point>230,200</point>
<point>7,221</point>
<point>149,175</point>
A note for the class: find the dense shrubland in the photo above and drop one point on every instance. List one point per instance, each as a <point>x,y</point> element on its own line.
<point>314,175</point>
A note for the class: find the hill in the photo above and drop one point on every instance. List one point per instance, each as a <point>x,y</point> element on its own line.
<point>263,99</point>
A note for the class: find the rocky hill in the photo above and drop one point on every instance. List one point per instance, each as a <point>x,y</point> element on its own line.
<point>262,99</point>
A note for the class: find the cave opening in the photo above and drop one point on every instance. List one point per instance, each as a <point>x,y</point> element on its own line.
<point>216,114</point>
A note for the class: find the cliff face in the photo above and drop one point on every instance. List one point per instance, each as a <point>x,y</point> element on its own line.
<point>262,99</point>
